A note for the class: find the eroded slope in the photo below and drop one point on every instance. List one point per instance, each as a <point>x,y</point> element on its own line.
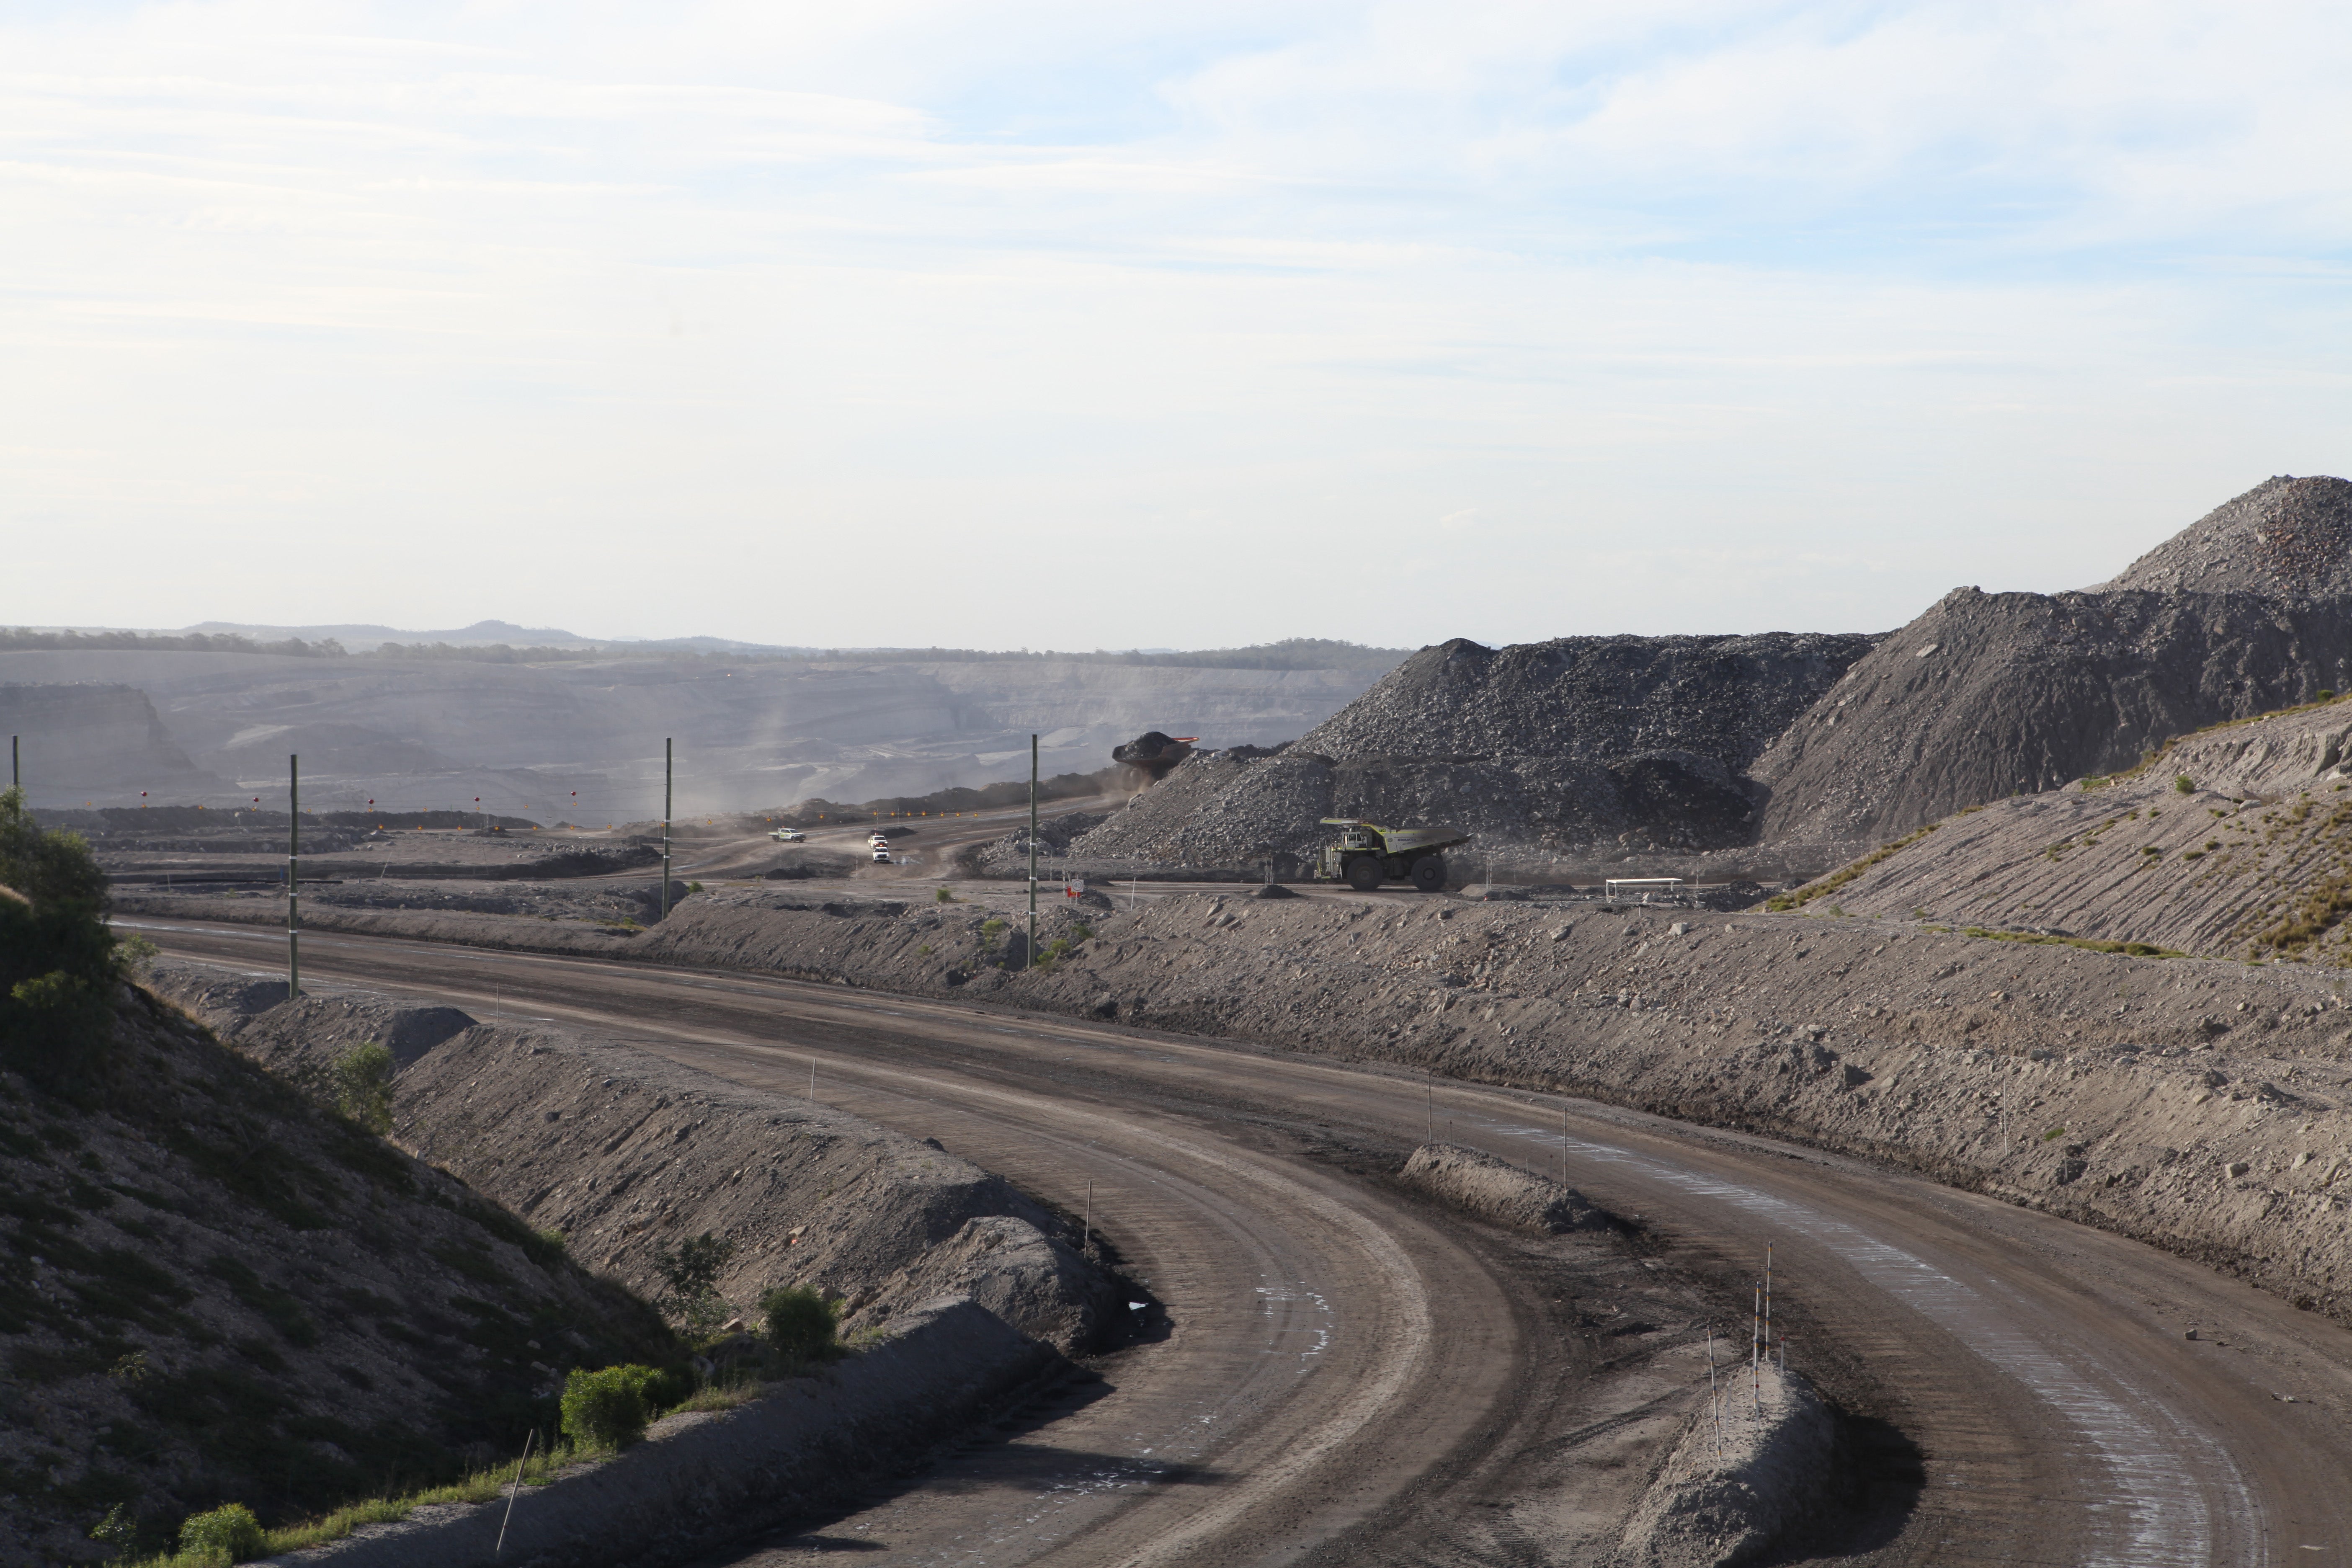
<point>217,1293</point>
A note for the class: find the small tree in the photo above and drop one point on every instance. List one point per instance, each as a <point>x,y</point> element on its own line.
<point>800,1321</point>
<point>58,962</point>
<point>362,1081</point>
<point>227,1534</point>
<point>608,1408</point>
<point>119,1530</point>
<point>692,1275</point>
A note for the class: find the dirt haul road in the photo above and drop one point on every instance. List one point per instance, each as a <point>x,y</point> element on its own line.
<point>1351,1378</point>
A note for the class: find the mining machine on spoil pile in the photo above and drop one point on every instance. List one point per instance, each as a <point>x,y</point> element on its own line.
<point>1365,854</point>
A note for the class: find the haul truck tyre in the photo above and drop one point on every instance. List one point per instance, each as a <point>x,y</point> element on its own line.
<point>1429,873</point>
<point>1364,873</point>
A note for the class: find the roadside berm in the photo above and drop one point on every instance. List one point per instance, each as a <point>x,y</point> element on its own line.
<point>1754,1459</point>
<point>626,1153</point>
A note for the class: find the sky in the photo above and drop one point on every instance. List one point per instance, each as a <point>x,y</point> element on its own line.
<point>1074,325</point>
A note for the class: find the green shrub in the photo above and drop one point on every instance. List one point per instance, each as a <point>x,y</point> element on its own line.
<point>2184,784</point>
<point>119,1529</point>
<point>692,1275</point>
<point>608,1408</point>
<point>944,896</point>
<point>58,962</point>
<point>227,1534</point>
<point>362,1086</point>
<point>800,1321</point>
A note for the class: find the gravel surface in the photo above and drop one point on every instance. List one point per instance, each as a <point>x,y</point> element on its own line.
<point>2193,1103</point>
<point>1989,695</point>
<point>2076,1081</point>
<point>2287,538</point>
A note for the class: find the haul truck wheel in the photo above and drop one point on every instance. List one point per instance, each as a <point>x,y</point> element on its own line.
<point>1364,873</point>
<point>1429,873</point>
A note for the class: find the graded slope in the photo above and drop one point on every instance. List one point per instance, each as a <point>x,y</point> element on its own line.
<point>626,1155</point>
<point>2235,842</point>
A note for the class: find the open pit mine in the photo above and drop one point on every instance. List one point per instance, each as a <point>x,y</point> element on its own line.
<point>1858,1097</point>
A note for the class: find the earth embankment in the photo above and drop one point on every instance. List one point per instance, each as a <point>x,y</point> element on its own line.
<point>2235,842</point>
<point>2197,1104</point>
<point>626,1155</point>
<point>218,1291</point>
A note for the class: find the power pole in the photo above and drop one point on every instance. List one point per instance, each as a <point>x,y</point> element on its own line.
<point>293,877</point>
<point>666,776</point>
<point>16,775</point>
<point>1031,956</point>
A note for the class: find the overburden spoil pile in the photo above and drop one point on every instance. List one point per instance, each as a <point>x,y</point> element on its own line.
<point>1989,695</point>
<point>1596,746</point>
<point>2288,539</point>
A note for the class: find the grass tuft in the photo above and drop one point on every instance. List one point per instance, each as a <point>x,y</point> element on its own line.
<point>1798,898</point>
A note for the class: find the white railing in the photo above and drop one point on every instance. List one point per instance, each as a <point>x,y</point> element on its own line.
<point>1611,886</point>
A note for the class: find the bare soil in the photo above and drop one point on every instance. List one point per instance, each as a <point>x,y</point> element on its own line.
<point>218,1292</point>
<point>626,1155</point>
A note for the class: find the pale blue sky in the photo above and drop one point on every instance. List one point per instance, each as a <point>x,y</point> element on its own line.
<point>1081,325</point>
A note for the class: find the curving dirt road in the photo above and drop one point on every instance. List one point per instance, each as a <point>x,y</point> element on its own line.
<point>1350,1376</point>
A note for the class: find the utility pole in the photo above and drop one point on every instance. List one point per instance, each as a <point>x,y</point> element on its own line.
<point>1031,956</point>
<point>293,877</point>
<point>16,775</point>
<point>668,757</point>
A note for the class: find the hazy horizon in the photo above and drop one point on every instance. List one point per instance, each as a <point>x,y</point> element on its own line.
<point>1206,326</point>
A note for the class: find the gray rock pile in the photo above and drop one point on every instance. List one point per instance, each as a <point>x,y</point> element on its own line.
<point>1990,695</point>
<point>2287,538</point>
<point>1592,699</point>
<point>1599,747</point>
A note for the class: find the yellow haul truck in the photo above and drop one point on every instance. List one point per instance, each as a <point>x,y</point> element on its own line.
<point>1365,854</point>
